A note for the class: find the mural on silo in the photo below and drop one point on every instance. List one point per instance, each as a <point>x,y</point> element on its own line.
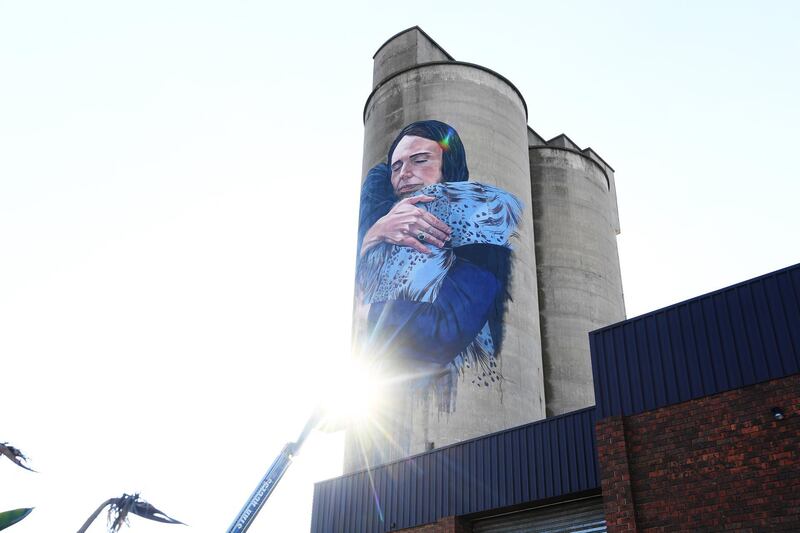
<point>433,266</point>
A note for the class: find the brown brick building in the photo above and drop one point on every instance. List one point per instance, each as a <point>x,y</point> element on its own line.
<point>719,463</point>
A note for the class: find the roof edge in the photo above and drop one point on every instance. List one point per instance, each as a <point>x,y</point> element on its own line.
<point>537,134</point>
<point>398,34</point>
<point>452,62</point>
<point>590,149</point>
<point>696,298</point>
<point>576,152</point>
<point>562,134</point>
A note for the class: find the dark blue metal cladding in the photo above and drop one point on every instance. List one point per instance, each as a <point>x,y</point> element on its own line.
<point>727,339</point>
<point>547,459</point>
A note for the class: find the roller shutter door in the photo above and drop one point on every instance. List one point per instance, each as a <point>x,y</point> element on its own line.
<point>582,516</point>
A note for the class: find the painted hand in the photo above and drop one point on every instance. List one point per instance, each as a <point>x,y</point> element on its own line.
<point>408,225</point>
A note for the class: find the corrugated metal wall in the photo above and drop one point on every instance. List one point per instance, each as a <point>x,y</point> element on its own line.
<point>731,338</point>
<point>546,459</point>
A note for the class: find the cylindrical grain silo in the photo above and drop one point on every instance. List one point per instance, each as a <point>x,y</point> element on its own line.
<point>580,287</point>
<point>414,79</point>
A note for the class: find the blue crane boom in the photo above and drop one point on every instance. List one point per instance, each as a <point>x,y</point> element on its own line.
<point>270,480</point>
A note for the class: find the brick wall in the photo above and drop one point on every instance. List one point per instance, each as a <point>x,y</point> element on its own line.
<point>714,464</point>
<point>615,480</point>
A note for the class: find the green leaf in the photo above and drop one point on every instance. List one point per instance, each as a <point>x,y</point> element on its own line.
<point>9,518</point>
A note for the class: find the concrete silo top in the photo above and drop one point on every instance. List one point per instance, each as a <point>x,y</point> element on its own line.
<point>413,48</point>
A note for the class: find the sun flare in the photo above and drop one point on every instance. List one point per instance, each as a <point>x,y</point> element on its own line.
<point>348,394</point>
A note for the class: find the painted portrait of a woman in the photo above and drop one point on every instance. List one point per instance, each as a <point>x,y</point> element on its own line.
<point>433,263</point>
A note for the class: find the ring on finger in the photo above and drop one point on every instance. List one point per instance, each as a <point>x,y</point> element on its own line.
<point>421,237</point>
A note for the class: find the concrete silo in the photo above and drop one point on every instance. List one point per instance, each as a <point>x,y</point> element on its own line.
<point>415,79</point>
<point>580,288</point>
<point>565,278</point>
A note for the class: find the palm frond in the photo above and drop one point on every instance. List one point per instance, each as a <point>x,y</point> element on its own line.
<point>15,455</point>
<point>146,510</point>
<point>118,512</point>
<point>131,503</point>
<point>120,508</point>
<point>9,518</point>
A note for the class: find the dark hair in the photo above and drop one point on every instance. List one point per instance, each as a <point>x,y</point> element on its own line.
<point>454,158</point>
<point>377,198</point>
<point>377,195</point>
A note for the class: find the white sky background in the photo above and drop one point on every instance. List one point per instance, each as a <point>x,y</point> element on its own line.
<point>178,203</point>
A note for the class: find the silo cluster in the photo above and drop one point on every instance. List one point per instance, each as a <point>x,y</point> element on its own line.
<point>565,276</point>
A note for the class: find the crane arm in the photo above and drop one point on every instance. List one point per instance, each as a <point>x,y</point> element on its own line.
<point>267,485</point>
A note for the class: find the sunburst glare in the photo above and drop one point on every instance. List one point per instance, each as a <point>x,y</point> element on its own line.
<point>348,394</point>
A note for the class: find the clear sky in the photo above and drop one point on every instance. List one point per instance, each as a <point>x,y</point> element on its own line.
<point>178,202</point>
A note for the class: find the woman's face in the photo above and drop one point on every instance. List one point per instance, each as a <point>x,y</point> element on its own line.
<point>416,163</point>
